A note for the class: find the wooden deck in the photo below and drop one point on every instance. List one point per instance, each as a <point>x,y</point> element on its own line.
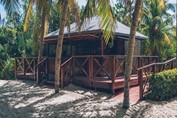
<point>104,82</point>
<point>93,71</point>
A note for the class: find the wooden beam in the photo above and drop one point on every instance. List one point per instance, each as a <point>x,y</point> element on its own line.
<point>101,46</point>
<point>48,47</point>
<point>140,81</point>
<point>90,70</point>
<point>15,68</point>
<point>72,38</point>
<point>113,74</point>
<point>24,66</point>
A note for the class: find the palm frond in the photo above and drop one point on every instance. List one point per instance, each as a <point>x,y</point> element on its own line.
<point>107,20</point>
<point>27,16</point>
<point>76,13</point>
<point>10,5</point>
<point>165,39</point>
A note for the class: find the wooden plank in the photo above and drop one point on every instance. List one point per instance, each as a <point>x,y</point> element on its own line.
<point>62,77</point>
<point>101,46</point>
<point>15,68</point>
<point>112,74</point>
<point>34,68</point>
<point>140,81</point>
<point>90,69</point>
<point>24,66</point>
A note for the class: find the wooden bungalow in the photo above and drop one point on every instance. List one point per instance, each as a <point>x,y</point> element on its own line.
<point>86,60</point>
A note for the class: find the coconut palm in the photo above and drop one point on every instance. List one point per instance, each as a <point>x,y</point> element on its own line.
<point>176,33</point>
<point>130,52</point>
<point>69,12</point>
<point>42,8</point>
<point>123,10</point>
<point>157,24</point>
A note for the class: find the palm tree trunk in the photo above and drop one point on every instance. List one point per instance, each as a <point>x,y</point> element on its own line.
<point>176,33</point>
<point>41,41</point>
<point>130,53</point>
<point>59,45</point>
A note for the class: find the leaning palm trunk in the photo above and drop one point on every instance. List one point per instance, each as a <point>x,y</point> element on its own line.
<point>176,33</point>
<point>40,50</point>
<point>59,45</point>
<point>130,53</point>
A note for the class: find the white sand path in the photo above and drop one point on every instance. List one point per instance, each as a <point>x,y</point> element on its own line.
<point>23,99</point>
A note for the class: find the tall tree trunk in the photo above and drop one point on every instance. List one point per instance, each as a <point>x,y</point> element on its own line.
<point>130,53</point>
<point>176,33</point>
<point>40,50</point>
<point>60,44</point>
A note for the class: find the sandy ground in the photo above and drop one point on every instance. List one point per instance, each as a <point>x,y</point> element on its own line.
<point>23,99</point>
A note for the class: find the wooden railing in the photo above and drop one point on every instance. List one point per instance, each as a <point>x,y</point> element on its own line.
<point>145,71</point>
<point>101,65</point>
<point>88,66</point>
<point>25,66</point>
<point>42,69</point>
<point>66,72</point>
<point>106,66</point>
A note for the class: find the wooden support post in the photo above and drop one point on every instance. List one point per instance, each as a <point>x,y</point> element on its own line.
<point>46,66</point>
<point>72,69</point>
<point>154,69</point>
<point>15,68</point>
<point>140,81</point>
<point>149,63</point>
<point>139,62</point>
<point>101,46</point>
<point>34,68</point>
<point>37,74</point>
<point>62,77</point>
<point>113,74</point>
<point>48,47</point>
<point>72,49</point>
<point>90,70</point>
<point>24,66</point>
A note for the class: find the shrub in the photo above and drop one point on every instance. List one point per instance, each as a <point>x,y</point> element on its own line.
<point>7,71</point>
<point>162,86</point>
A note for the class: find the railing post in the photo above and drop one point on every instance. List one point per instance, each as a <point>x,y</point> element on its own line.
<point>72,68</point>
<point>34,68</point>
<point>90,70</point>
<point>24,67</point>
<point>113,74</point>
<point>139,62</point>
<point>62,78</point>
<point>140,81</point>
<point>154,69</point>
<point>15,68</point>
<point>37,73</point>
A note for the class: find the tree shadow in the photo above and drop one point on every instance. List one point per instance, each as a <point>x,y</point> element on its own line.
<point>23,99</point>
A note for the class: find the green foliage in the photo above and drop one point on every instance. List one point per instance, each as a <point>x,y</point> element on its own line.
<point>163,86</point>
<point>157,24</point>
<point>13,43</point>
<point>123,11</point>
<point>7,71</point>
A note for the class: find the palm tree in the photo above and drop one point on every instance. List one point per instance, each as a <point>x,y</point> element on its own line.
<point>102,8</point>
<point>66,7</point>
<point>130,53</point>
<point>123,11</point>
<point>158,25</point>
<point>59,44</point>
<point>41,23</point>
<point>176,33</point>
